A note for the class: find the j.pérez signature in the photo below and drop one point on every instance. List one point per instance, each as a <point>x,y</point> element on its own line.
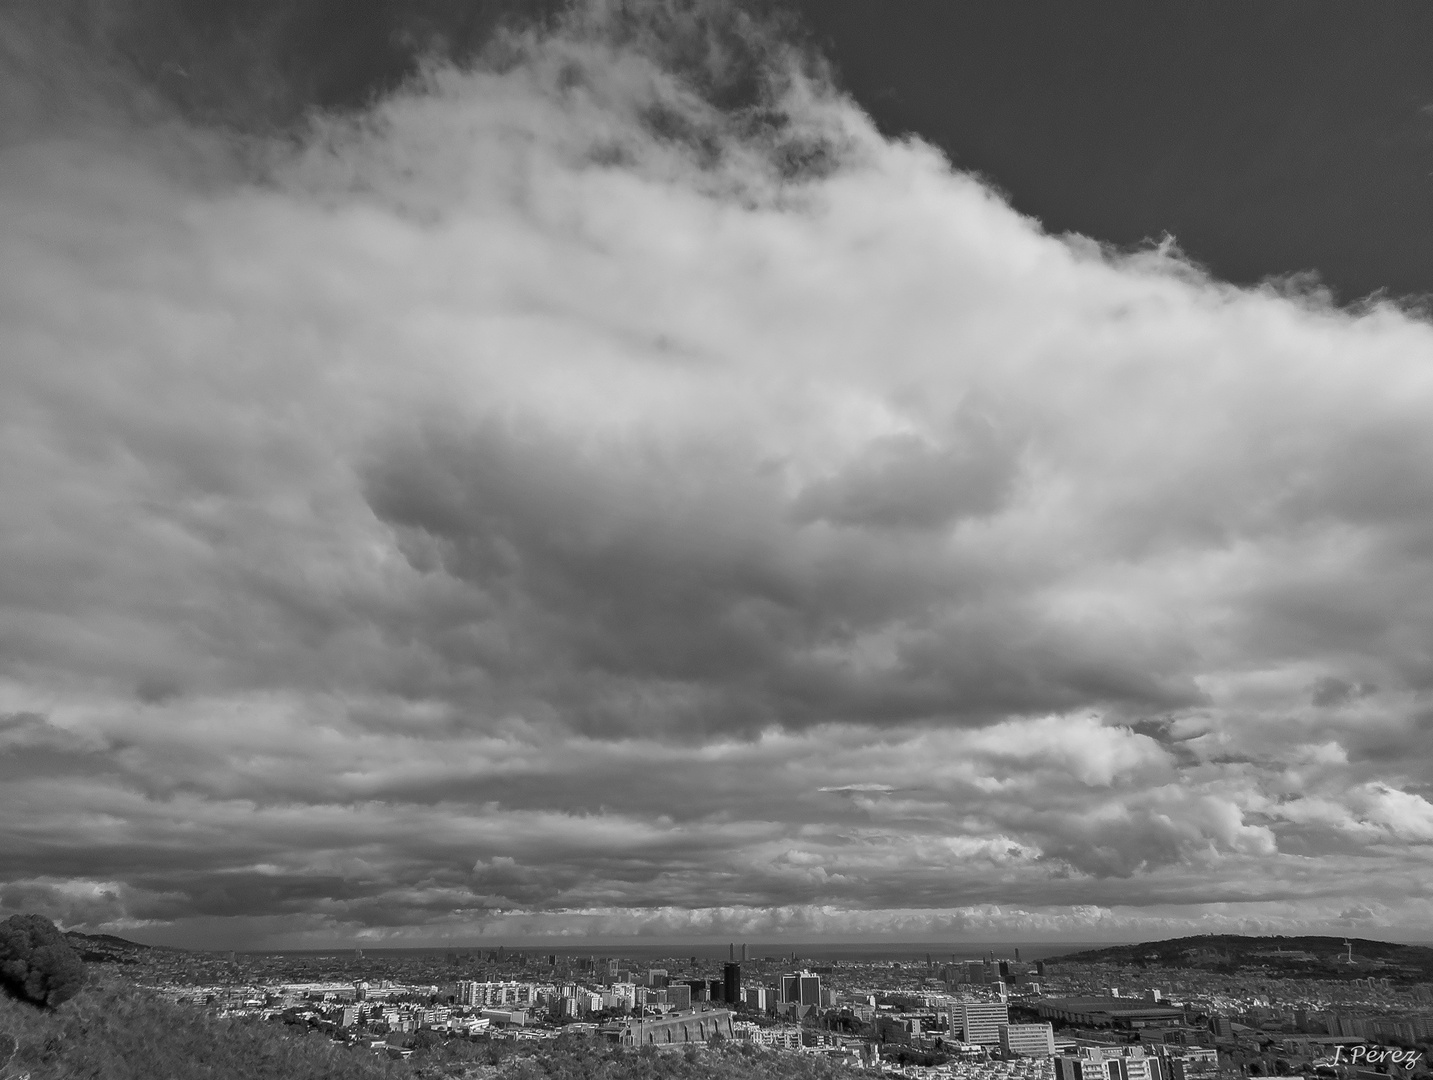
<point>1374,1055</point>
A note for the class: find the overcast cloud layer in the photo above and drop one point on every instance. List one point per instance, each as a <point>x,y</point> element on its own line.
<point>550,503</point>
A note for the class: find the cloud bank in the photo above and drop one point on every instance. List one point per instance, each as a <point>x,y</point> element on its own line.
<point>604,487</point>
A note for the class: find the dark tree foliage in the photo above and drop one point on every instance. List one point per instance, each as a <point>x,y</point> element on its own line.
<point>37,964</point>
<point>570,1058</point>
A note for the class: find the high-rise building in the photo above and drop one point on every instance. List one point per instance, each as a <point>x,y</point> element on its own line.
<point>731,984</point>
<point>1027,1040</point>
<point>716,990</point>
<point>810,989</point>
<point>801,988</point>
<point>980,1021</point>
<point>679,996</point>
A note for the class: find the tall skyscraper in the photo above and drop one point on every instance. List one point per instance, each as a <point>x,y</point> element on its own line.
<point>810,989</point>
<point>731,984</point>
<point>791,987</point>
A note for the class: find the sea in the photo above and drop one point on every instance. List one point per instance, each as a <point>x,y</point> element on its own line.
<point>888,952</point>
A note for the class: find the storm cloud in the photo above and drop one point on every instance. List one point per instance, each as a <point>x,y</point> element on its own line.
<point>601,486</point>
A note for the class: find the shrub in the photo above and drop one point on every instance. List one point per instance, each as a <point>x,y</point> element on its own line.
<point>37,964</point>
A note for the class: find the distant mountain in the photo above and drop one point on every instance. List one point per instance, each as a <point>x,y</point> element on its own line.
<point>1292,957</point>
<point>106,948</point>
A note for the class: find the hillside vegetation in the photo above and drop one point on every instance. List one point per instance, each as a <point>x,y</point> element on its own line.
<point>113,1031</point>
<point>1304,957</point>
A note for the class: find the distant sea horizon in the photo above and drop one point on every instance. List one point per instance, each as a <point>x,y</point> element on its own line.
<point>898,952</point>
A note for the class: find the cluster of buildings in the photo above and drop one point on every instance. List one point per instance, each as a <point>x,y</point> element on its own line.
<point>988,1019</point>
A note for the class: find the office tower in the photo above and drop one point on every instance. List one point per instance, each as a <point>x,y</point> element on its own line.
<point>716,989</point>
<point>791,987</point>
<point>810,989</point>
<point>1004,968</point>
<point>743,952</point>
<point>980,1021</point>
<point>1027,1040</point>
<point>731,984</point>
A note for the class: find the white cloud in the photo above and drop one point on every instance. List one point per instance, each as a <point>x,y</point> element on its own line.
<point>531,494</point>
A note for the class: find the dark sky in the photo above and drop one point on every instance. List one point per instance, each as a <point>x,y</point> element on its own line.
<point>1269,138</point>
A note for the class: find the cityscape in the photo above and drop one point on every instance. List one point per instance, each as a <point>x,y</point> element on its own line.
<point>1067,1016</point>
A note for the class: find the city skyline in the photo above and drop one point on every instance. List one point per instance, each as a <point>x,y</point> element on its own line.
<point>599,478</point>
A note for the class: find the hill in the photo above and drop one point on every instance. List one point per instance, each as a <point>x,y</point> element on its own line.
<point>108,949</point>
<point>1309,957</point>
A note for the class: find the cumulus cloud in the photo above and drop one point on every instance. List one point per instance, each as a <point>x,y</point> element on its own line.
<point>607,474</point>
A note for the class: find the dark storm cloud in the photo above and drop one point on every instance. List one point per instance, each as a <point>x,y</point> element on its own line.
<point>606,487</point>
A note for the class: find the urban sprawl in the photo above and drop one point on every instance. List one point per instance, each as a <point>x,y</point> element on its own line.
<point>995,1018</point>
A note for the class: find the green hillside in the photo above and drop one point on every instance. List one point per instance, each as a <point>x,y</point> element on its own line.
<point>1299,957</point>
<point>108,949</point>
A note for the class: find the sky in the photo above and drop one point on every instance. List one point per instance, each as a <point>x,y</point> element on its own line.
<point>678,470</point>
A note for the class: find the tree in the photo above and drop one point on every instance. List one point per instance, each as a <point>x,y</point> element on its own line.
<point>37,964</point>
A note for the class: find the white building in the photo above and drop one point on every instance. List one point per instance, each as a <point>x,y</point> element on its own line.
<point>980,1021</point>
<point>1028,1040</point>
